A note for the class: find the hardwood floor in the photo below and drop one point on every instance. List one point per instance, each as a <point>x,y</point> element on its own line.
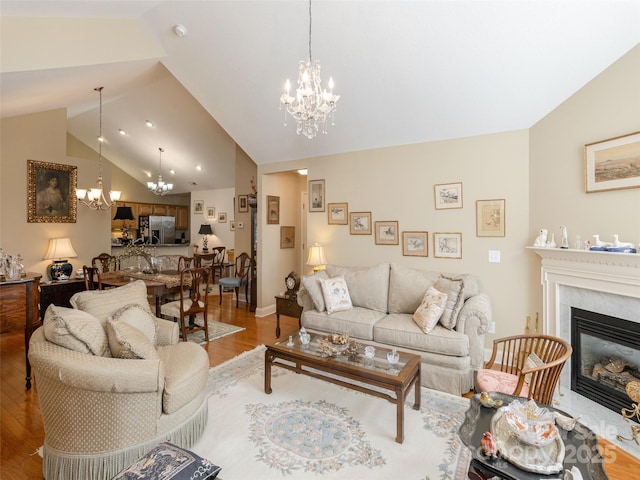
<point>21,427</point>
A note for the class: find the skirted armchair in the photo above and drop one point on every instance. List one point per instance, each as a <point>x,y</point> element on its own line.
<point>113,382</point>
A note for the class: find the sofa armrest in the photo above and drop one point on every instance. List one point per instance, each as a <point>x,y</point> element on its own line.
<point>474,320</point>
<point>168,332</point>
<point>304,299</point>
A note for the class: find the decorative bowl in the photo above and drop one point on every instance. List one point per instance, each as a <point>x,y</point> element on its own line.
<point>532,424</point>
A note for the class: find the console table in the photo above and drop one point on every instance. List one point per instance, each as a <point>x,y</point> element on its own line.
<point>58,293</point>
<point>19,301</point>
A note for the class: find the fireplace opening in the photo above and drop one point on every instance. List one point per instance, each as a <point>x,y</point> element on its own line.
<point>606,356</point>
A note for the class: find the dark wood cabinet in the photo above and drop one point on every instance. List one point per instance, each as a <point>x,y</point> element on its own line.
<point>286,306</point>
<point>58,293</point>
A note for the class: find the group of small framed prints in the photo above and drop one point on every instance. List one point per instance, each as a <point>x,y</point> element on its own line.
<point>490,222</point>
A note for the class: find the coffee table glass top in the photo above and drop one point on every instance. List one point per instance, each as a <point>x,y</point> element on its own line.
<point>352,353</point>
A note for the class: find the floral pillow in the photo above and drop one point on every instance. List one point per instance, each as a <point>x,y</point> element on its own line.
<point>336,294</point>
<point>430,309</point>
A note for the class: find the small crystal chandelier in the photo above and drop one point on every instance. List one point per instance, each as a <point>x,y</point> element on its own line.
<point>311,106</point>
<point>94,197</point>
<point>159,187</point>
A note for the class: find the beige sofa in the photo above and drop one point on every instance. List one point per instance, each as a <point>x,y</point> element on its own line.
<point>103,408</point>
<point>384,298</point>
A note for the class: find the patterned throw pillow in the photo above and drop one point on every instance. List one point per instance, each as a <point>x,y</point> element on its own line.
<point>75,330</point>
<point>430,310</point>
<point>453,287</point>
<point>103,303</point>
<point>314,289</point>
<point>336,295</point>
<point>126,341</point>
<point>139,317</point>
<point>532,361</point>
<point>169,462</point>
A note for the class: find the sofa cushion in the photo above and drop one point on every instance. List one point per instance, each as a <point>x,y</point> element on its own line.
<point>186,368</point>
<point>357,322</point>
<point>368,286</point>
<point>140,317</point>
<point>336,294</point>
<point>126,341</point>
<point>453,287</point>
<point>407,287</point>
<point>312,284</point>
<point>400,330</point>
<point>430,310</point>
<point>103,303</point>
<point>75,330</point>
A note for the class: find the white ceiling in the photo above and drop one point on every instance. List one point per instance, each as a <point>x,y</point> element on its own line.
<point>407,72</point>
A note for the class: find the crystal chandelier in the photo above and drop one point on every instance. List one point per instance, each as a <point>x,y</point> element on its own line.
<point>94,197</point>
<point>312,106</point>
<point>159,187</point>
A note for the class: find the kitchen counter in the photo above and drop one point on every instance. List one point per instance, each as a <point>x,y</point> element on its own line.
<point>161,249</point>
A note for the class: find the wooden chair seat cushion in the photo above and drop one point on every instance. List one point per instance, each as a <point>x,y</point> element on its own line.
<point>496,381</point>
<point>232,282</point>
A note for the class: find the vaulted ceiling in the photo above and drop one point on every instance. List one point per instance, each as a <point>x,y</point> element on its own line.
<point>408,72</point>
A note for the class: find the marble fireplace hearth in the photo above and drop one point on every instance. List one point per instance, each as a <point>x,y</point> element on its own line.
<point>601,282</point>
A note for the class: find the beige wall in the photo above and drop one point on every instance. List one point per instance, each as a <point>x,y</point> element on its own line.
<point>245,170</point>
<point>608,106</point>
<point>42,136</point>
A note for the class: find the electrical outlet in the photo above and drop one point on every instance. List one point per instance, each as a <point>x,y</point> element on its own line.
<point>494,256</point>
<point>492,327</point>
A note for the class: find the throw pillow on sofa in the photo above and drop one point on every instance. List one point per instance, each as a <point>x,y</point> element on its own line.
<point>126,341</point>
<point>75,330</point>
<point>453,287</point>
<point>139,317</point>
<point>336,295</point>
<point>312,284</point>
<point>430,310</point>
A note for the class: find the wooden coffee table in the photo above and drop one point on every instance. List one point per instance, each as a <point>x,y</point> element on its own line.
<point>354,372</point>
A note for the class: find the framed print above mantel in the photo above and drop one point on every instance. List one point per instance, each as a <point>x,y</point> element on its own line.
<point>51,192</point>
<point>612,164</point>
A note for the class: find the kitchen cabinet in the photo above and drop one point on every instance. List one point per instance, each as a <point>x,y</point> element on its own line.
<point>180,212</point>
<point>145,209</point>
<point>160,210</point>
<point>182,218</point>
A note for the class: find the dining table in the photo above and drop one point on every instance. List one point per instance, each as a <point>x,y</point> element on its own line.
<point>158,284</point>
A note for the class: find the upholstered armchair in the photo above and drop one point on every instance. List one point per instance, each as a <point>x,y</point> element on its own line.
<point>113,382</point>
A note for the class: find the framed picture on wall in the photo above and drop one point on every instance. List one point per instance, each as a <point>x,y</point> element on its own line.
<point>243,203</point>
<point>51,192</point>
<point>612,164</point>
<point>337,213</point>
<point>316,195</point>
<point>287,237</point>
<point>490,218</point>
<point>448,195</point>
<point>211,212</point>
<point>386,233</point>
<point>198,207</point>
<point>447,245</point>
<point>415,244</point>
<point>273,210</point>
<point>222,217</point>
<point>360,223</point>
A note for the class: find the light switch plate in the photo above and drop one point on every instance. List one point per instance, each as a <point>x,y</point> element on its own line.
<point>494,256</point>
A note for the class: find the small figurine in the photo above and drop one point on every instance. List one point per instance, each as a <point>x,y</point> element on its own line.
<point>487,401</point>
<point>488,445</point>
<point>599,243</point>
<point>552,243</point>
<point>541,239</point>
<point>618,244</point>
<point>564,422</point>
<point>564,243</point>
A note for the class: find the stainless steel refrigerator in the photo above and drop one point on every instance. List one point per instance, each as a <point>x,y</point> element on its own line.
<point>157,230</point>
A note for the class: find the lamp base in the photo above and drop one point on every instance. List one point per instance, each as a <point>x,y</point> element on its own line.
<point>60,270</point>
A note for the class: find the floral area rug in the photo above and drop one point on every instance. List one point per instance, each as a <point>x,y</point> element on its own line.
<point>309,428</point>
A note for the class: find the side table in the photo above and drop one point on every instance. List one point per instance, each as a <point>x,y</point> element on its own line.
<point>58,293</point>
<point>286,306</point>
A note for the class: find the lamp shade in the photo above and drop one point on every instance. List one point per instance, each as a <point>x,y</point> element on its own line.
<point>316,256</point>
<point>59,250</point>
<point>124,213</point>
<point>205,229</point>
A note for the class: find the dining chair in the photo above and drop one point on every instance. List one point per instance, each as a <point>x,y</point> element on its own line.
<point>215,259</point>
<point>193,301</point>
<point>185,262</point>
<point>92,279</point>
<point>241,277</point>
<point>525,366</point>
<point>105,262</point>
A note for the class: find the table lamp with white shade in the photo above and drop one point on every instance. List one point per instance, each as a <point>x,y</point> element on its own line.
<point>316,258</point>
<point>60,249</point>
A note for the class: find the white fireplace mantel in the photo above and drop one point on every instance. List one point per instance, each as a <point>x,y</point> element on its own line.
<point>616,273</point>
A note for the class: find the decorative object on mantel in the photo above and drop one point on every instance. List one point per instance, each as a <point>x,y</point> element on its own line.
<point>564,242</point>
<point>541,239</point>
<point>311,107</point>
<point>94,197</point>
<point>160,187</point>
<point>11,267</point>
<point>617,246</point>
<point>631,415</point>
<point>60,249</point>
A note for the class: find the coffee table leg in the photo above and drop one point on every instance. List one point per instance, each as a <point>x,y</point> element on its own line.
<point>267,371</point>
<point>417,388</point>
<point>400,415</point>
